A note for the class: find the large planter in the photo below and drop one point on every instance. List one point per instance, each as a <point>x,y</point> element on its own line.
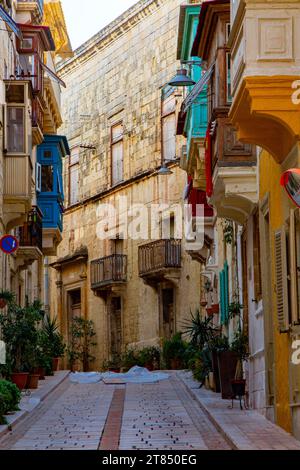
<point>209,311</point>
<point>20,379</point>
<point>238,388</point>
<point>216,371</point>
<point>176,364</point>
<point>215,309</point>
<point>227,361</point>
<point>55,363</point>
<point>33,381</point>
<point>40,371</point>
<point>3,303</point>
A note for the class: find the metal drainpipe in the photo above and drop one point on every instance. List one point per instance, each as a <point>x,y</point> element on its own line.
<point>46,283</point>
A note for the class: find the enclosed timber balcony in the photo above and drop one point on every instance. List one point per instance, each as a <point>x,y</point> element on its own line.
<point>30,10</point>
<point>160,260</point>
<point>108,272</point>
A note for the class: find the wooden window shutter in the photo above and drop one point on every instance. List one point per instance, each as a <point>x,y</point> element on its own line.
<point>281,279</point>
<point>222,297</point>
<point>256,258</point>
<point>293,268</point>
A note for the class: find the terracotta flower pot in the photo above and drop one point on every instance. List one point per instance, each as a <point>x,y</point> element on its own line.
<point>3,303</point>
<point>33,381</point>
<point>209,312</point>
<point>215,308</point>
<point>40,371</point>
<point>55,362</point>
<point>176,364</point>
<point>20,379</point>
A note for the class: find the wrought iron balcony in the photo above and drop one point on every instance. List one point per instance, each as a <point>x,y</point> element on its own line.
<point>31,234</point>
<point>159,256</point>
<point>108,271</point>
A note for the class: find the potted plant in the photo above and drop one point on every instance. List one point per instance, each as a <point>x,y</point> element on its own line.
<point>215,309</point>
<point>53,341</point>
<point>5,298</point>
<point>81,345</point>
<point>114,365</point>
<point>240,347</point>
<point>19,329</point>
<point>149,358</point>
<point>217,345</point>
<point>235,309</point>
<point>174,351</point>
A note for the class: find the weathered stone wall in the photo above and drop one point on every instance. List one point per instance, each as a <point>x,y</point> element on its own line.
<point>118,75</point>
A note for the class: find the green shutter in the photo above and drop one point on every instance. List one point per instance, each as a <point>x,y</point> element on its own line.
<point>226,282</point>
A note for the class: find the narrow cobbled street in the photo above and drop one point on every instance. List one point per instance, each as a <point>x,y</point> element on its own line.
<point>106,417</point>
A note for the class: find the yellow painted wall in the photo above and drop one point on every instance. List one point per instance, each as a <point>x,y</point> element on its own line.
<point>270,173</point>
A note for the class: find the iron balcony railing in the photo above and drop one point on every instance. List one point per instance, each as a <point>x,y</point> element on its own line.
<point>31,234</point>
<point>159,255</point>
<point>109,270</point>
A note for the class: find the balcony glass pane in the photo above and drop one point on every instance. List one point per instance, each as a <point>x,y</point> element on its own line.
<point>15,130</point>
<point>47,179</point>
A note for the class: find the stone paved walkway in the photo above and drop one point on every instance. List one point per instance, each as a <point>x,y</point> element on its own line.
<point>244,429</point>
<point>170,415</point>
<point>107,417</point>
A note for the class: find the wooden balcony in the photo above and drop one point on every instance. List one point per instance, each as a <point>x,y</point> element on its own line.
<point>108,272</point>
<point>160,260</point>
<point>17,189</point>
<point>37,121</point>
<point>33,8</point>
<point>30,237</point>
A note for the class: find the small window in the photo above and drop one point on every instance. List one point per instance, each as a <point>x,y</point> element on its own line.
<point>47,179</point>
<point>27,44</point>
<point>15,93</point>
<point>228,78</point>
<point>38,177</point>
<point>47,154</point>
<point>117,132</point>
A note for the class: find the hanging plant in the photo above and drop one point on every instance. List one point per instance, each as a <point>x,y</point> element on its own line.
<point>228,232</point>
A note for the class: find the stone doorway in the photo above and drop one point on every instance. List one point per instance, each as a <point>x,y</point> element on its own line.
<point>168,311</point>
<point>116,326</point>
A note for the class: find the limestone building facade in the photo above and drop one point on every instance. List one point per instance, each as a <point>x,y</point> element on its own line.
<point>120,120</point>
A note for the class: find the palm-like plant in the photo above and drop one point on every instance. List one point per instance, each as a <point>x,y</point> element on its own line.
<point>200,331</point>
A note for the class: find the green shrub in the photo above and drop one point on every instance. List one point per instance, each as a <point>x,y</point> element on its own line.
<point>130,359</point>
<point>174,349</point>
<point>149,356</point>
<point>11,396</point>
<point>2,410</point>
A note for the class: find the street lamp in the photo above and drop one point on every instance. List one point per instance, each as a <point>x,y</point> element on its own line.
<point>164,170</point>
<point>182,79</point>
<point>290,180</point>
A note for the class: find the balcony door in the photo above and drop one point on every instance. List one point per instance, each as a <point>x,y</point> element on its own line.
<point>168,313</point>
<point>74,307</point>
<point>116,326</point>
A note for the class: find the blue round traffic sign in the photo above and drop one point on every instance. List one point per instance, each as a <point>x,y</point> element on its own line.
<point>9,244</point>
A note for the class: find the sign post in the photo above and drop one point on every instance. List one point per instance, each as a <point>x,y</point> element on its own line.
<point>9,244</point>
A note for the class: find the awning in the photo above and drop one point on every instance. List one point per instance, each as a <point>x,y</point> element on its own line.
<point>53,75</point>
<point>10,23</point>
<point>191,98</point>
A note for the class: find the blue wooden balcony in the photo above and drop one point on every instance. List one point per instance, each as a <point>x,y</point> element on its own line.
<point>49,184</point>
